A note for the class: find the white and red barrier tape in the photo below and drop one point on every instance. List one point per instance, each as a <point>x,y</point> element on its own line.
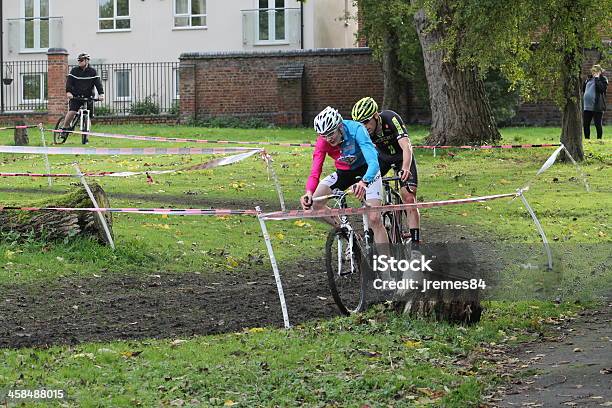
<point>185,140</point>
<point>224,161</point>
<point>18,127</point>
<point>159,211</point>
<point>287,144</point>
<point>288,215</point>
<point>277,215</point>
<point>132,151</point>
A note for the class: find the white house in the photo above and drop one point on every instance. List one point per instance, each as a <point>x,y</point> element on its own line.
<point>135,44</point>
<point>116,31</point>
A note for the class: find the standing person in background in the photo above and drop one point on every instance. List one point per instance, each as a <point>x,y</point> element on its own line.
<point>594,101</point>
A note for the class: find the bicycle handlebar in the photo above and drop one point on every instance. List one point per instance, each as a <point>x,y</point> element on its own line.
<point>80,98</point>
<point>394,178</point>
<point>334,194</point>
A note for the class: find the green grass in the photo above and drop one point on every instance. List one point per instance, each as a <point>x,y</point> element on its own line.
<point>377,358</point>
<point>179,244</point>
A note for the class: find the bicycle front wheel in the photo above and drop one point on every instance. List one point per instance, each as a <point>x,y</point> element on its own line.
<point>346,277</point>
<point>60,137</point>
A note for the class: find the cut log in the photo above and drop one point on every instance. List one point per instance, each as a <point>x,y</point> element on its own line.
<point>452,281</point>
<point>59,225</point>
<point>453,306</point>
<point>21,135</point>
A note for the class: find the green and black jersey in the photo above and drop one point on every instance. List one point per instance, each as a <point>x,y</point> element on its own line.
<point>393,129</point>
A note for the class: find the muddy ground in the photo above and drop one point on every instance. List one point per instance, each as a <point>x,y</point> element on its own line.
<point>165,305</point>
<point>159,305</point>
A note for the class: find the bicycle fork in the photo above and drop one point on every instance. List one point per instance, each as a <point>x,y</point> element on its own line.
<point>342,253</point>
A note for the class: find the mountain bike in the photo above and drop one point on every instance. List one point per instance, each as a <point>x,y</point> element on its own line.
<point>82,118</point>
<point>348,250</point>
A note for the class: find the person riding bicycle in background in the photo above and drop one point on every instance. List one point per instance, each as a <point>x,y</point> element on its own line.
<point>80,83</point>
<point>389,134</point>
<point>356,161</point>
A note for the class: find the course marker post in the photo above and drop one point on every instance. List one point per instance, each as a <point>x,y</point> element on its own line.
<point>95,204</point>
<point>538,226</point>
<point>279,284</point>
<point>268,159</point>
<point>47,165</point>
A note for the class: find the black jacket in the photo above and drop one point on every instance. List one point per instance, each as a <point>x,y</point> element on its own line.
<point>601,86</point>
<point>81,82</point>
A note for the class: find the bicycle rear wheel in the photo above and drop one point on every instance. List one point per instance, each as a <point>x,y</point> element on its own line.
<point>60,137</point>
<point>345,274</point>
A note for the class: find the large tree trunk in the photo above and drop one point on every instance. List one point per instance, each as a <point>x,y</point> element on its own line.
<point>571,121</point>
<point>58,225</point>
<point>395,86</point>
<point>460,110</point>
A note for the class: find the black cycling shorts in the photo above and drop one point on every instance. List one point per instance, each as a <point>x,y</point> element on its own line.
<point>75,105</point>
<point>386,162</point>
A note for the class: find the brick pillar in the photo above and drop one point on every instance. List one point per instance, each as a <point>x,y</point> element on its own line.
<point>187,91</point>
<point>289,95</point>
<point>57,70</point>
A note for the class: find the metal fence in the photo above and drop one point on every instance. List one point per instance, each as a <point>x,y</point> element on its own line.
<point>147,88</point>
<point>24,86</point>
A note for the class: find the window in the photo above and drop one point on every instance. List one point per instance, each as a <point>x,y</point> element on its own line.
<point>271,20</point>
<point>123,89</point>
<point>114,15</point>
<point>190,13</point>
<point>34,87</point>
<point>36,24</point>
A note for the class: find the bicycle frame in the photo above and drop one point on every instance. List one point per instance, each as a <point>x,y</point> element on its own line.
<point>84,119</point>
<point>391,195</point>
<point>340,197</point>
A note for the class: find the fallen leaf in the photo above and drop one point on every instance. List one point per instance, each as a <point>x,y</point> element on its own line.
<point>256,329</point>
<point>177,342</point>
<point>130,354</point>
<point>412,344</point>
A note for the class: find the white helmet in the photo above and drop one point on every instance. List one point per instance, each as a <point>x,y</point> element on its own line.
<point>328,120</point>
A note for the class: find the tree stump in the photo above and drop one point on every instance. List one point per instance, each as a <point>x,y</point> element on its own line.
<point>59,225</point>
<point>451,265</point>
<point>453,306</point>
<point>21,135</point>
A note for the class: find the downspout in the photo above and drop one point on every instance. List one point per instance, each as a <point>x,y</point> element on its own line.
<point>1,57</point>
<point>301,24</point>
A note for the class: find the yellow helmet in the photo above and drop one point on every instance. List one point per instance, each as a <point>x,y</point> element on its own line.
<point>364,109</point>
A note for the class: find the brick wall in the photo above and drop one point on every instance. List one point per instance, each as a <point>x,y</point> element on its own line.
<point>132,119</point>
<point>30,118</point>
<point>263,85</point>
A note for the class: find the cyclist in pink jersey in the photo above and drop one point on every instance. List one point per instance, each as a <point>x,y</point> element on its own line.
<point>356,160</point>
